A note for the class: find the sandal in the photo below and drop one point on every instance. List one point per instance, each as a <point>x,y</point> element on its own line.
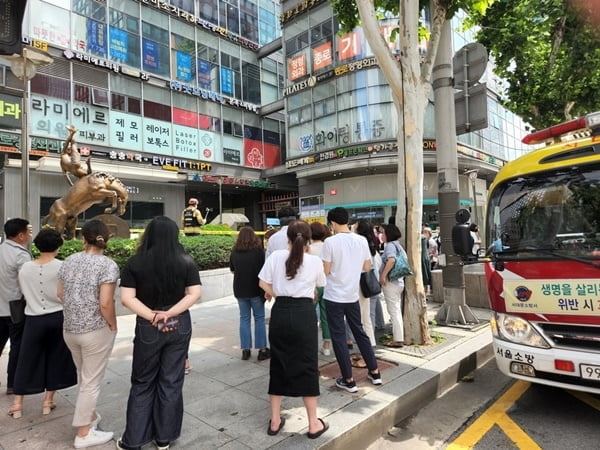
<point>188,367</point>
<point>358,362</point>
<point>15,411</point>
<point>47,407</point>
<point>320,432</point>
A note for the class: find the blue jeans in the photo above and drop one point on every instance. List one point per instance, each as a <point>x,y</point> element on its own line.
<point>155,405</point>
<point>256,307</point>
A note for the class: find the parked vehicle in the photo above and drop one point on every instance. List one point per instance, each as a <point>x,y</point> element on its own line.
<point>543,265</point>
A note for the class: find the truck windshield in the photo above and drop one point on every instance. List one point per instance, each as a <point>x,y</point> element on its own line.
<point>547,215</point>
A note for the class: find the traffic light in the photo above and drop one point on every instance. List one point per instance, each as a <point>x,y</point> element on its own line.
<point>12,12</point>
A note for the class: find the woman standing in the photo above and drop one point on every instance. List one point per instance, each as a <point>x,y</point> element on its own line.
<point>246,259</point>
<point>364,229</point>
<point>291,277</point>
<point>159,284</point>
<point>86,286</point>
<point>319,233</point>
<point>392,289</point>
<point>45,363</point>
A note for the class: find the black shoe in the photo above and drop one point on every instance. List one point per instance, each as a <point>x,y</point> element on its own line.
<point>245,354</point>
<point>263,354</point>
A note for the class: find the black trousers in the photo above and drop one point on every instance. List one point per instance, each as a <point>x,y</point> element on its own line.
<point>14,332</point>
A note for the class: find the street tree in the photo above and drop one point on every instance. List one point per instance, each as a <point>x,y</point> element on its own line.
<point>547,54</point>
<point>409,78</point>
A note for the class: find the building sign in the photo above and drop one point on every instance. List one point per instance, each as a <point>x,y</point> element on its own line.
<point>227,81</point>
<point>344,69</point>
<point>231,155</point>
<point>174,11</point>
<point>184,66</point>
<point>300,8</point>
<point>126,131</point>
<point>209,95</point>
<point>209,144</point>
<point>349,46</point>
<point>99,62</point>
<point>342,153</point>
<point>185,142</point>
<point>157,136</point>
<point>10,111</point>
<point>233,181</point>
<point>204,73</point>
<point>322,56</point>
<point>297,67</point>
<point>480,155</point>
<point>118,44</point>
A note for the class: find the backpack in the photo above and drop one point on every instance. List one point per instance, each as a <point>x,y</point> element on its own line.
<point>189,218</point>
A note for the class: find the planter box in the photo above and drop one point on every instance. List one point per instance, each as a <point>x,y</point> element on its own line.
<point>217,283</point>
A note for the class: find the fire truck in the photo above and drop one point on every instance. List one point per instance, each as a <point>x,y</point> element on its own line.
<point>543,261</point>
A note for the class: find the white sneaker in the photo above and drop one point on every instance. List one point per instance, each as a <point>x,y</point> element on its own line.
<point>94,437</point>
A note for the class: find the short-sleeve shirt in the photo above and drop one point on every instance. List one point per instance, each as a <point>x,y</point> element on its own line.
<point>12,257</point>
<point>279,241</point>
<point>38,283</point>
<point>82,274</point>
<point>347,253</point>
<point>136,275</point>
<point>310,275</point>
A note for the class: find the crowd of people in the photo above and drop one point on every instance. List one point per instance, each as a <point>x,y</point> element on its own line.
<point>310,273</point>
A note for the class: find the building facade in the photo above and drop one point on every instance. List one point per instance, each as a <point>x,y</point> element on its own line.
<point>342,124</point>
<point>165,95</point>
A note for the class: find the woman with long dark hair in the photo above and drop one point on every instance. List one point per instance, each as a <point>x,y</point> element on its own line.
<point>245,261</point>
<point>159,284</point>
<point>87,282</point>
<point>291,277</point>
<point>365,229</point>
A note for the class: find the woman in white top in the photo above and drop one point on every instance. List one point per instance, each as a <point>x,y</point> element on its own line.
<point>291,277</point>
<point>45,363</point>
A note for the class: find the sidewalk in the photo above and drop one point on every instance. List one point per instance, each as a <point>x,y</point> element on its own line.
<point>226,400</point>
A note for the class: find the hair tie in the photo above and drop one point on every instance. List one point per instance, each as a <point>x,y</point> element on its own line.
<point>298,235</point>
<point>99,238</point>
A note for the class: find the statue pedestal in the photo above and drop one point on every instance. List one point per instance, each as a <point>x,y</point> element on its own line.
<point>117,226</point>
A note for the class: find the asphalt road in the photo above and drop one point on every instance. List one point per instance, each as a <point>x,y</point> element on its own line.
<point>494,411</point>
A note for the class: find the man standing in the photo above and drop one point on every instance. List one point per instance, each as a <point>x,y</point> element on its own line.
<point>13,254</point>
<point>279,241</point>
<point>345,255</point>
<point>191,218</point>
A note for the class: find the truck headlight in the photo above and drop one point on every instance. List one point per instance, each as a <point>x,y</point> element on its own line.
<point>515,329</point>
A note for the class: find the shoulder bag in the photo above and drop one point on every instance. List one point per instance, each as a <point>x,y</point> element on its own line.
<point>369,284</point>
<point>401,268</point>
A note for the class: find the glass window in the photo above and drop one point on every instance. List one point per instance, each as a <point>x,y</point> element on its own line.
<point>51,86</point>
<point>184,63</point>
<point>251,83</point>
<point>209,10</point>
<point>90,8</point>
<point>186,5</point>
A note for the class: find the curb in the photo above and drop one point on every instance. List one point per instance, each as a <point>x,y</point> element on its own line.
<point>405,395</point>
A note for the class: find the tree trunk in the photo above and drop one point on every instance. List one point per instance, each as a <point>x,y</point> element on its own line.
<point>410,94</point>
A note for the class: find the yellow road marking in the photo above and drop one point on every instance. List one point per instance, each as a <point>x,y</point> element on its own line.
<point>496,415</point>
<point>586,398</point>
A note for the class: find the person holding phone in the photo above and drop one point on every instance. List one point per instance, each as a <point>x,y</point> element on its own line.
<point>159,284</point>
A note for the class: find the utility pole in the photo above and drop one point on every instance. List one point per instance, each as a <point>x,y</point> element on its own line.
<point>454,311</point>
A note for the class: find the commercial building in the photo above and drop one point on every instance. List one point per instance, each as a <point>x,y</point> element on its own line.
<point>249,105</point>
<point>166,96</point>
<point>342,124</point>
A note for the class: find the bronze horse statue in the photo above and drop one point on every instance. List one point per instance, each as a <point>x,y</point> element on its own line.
<point>90,188</point>
<point>95,188</point>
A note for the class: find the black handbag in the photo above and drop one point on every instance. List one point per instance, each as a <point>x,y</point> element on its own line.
<point>369,284</point>
<point>17,310</point>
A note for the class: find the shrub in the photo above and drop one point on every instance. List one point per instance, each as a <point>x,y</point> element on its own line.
<point>210,251</point>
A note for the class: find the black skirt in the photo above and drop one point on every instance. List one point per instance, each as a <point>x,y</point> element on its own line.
<point>293,336</point>
<point>45,362</point>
